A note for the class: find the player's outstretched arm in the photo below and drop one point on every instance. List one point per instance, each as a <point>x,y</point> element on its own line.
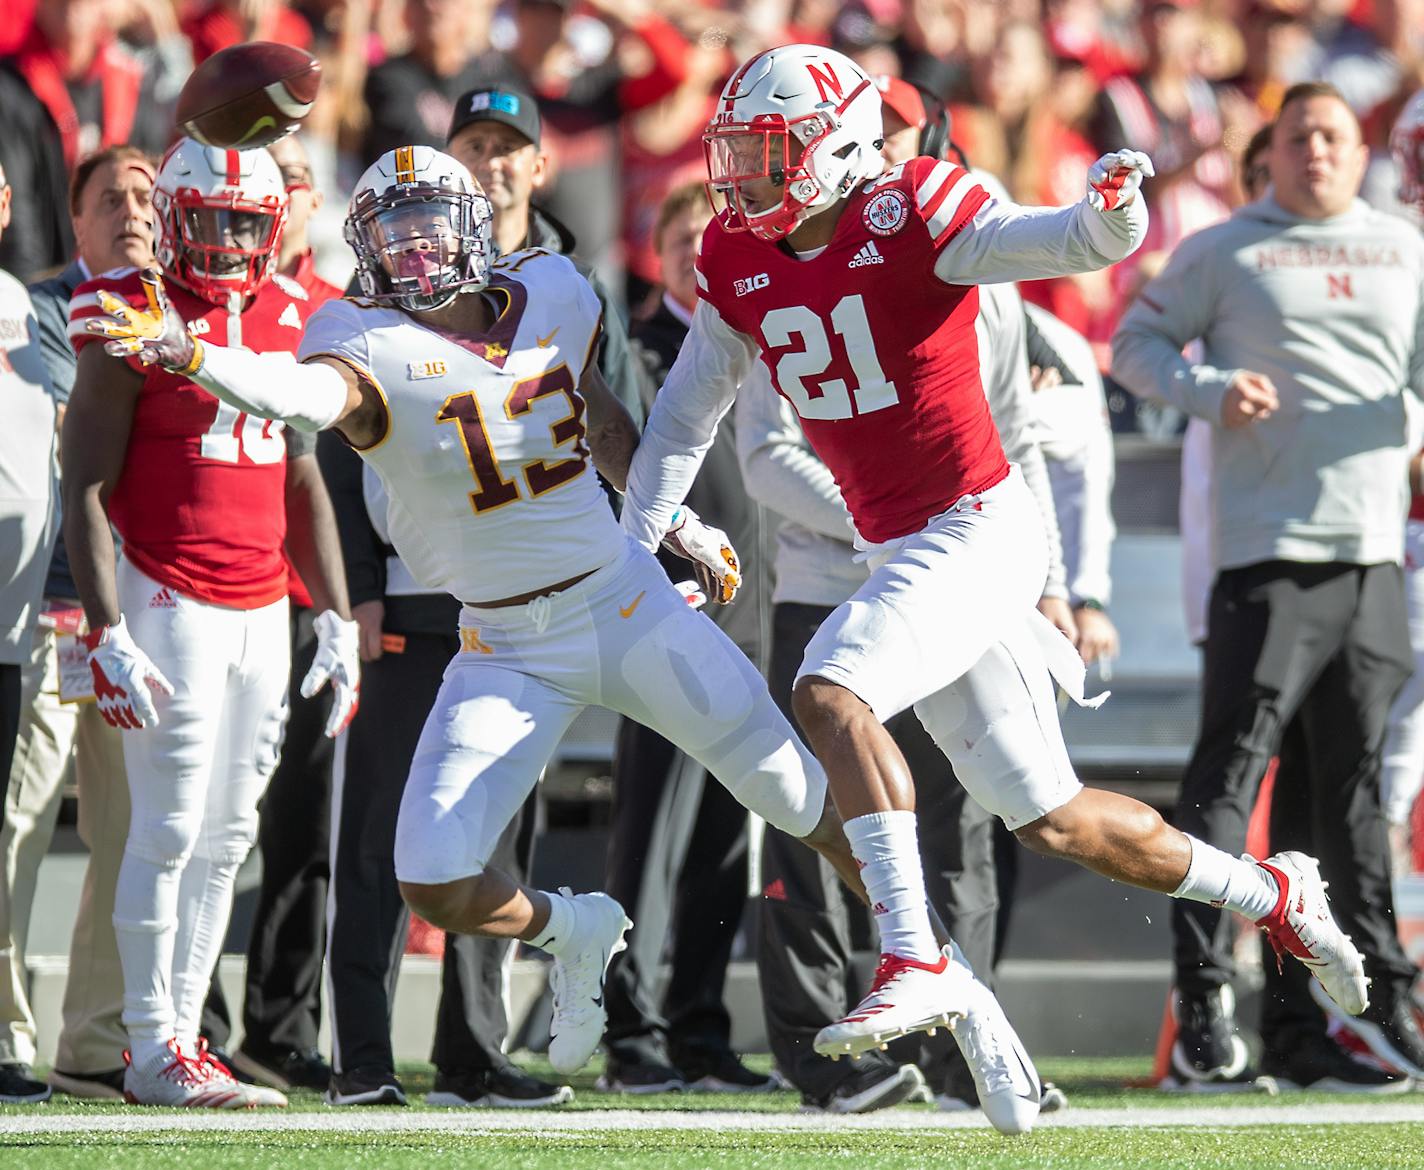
<point>612,433</point>
<point>310,397</point>
<point>1007,242</point>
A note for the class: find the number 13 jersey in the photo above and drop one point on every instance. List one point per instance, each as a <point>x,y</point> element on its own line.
<point>492,492</point>
<point>877,354</point>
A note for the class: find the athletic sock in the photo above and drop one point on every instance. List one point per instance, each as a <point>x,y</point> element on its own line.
<point>887,848</point>
<point>559,930</point>
<point>1233,883</point>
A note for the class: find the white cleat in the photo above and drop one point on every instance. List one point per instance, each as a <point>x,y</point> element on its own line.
<point>180,1080</point>
<point>577,979</point>
<point>906,996</point>
<point>1302,925</point>
<point>256,1096</point>
<point>1009,1089</point>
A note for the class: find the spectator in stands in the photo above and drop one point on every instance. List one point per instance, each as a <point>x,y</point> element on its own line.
<point>586,80</point>
<point>112,224</point>
<point>281,1008</point>
<point>70,90</point>
<point>677,850</point>
<point>220,24</point>
<point>28,514</point>
<point>1308,307</point>
<point>410,98</point>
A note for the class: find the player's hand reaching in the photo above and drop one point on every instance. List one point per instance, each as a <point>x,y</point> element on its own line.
<point>156,334</point>
<point>124,677</point>
<point>338,662</point>
<point>713,558</point>
<point>1114,179</point>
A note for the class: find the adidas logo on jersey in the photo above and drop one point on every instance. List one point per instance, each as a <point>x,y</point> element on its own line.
<point>868,254</point>
<point>163,600</point>
<point>290,317</point>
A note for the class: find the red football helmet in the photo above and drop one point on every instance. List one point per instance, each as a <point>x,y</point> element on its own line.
<point>1406,143</point>
<point>220,215</point>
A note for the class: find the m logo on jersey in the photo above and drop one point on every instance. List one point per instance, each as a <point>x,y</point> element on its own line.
<point>887,213</point>
<point>290,317</point>
<point>750,284</point>
<point>432,369</point>
<point>868,254</point>
<point>471,643</point>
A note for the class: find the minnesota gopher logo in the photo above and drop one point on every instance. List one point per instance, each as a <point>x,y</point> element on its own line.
<point>887,213</point>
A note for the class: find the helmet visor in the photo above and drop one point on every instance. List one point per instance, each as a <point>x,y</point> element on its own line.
<point>421,241</point>
<point>222,239</point>
<point>748,167</point>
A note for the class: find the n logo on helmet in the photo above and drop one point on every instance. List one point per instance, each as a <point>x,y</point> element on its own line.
<point>825,81</point>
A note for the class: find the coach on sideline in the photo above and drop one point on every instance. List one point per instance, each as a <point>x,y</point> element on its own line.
<point>1308,306</point>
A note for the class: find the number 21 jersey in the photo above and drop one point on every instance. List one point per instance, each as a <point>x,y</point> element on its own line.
<point>491,489</point>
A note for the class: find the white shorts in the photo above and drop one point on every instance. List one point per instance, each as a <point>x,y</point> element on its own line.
<point>622,638</point>
<point>947,623</point>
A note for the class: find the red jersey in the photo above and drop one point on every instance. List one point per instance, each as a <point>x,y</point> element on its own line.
<point>875,352</point>
<point>201,500</point>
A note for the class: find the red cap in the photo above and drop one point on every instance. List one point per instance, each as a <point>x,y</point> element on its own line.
<point>903,98</point>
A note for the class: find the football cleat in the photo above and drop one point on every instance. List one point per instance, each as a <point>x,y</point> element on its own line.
<point>1007,1083</point>
<point>906,996</point>
<point>577,978</point>
<point>1209,1048</point>
<point>1303,925</point>
<point>180,1080</point>
<point>256,1096</point>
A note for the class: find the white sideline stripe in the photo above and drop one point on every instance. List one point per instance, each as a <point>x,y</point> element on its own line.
<point>950,207</point>
<point>571,1122</point>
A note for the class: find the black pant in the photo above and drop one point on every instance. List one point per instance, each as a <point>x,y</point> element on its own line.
<point>367,917</point>
<point>9,717</point>
<point>677,859</point>
<point>1329,644</point>
<point>281,1009</point>
<point>803,954</point>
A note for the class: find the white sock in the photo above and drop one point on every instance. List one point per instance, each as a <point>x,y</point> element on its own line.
<point>887,847</point>
<point>1233,883</point>
<point>558,931</point>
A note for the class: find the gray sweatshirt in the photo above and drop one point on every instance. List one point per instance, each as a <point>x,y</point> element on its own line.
<point>1330,311</point>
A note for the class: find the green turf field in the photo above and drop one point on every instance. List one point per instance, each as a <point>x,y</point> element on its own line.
<point>1107,1125</point>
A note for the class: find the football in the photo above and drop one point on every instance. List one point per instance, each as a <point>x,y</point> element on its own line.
<point>248,95</point>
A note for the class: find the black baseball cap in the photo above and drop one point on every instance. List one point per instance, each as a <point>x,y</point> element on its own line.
<point>497,103</point>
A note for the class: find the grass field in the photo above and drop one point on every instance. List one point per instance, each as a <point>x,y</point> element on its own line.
<point>1107,1125</point>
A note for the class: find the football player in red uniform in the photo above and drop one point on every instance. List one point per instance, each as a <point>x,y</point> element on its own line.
<point>854,285</point>
<point>188,631</point>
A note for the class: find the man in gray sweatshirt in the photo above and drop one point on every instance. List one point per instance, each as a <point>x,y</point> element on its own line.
<point>1308,307</point>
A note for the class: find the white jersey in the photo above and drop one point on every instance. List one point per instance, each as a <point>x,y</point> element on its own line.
<point>492,492</point>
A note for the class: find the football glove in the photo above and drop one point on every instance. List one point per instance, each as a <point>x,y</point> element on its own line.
<point>713,558</point>
<point>337,661</point>
<point>124,677</point>
<point>1114,179</point>
<point>153,335</point>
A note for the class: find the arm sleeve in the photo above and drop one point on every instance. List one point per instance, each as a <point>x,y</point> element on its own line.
<point>779,467</point>
<point>1004,361</point>
<point>1000,241</point>
<point>1178,306</point>
<point>700,389</point>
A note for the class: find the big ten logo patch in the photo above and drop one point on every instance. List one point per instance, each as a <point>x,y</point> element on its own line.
<point>750,283</point>
<point>429,369</point>
<point>887,212</point>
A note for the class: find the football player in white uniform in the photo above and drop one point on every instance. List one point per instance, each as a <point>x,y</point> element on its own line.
<point>485,415</point>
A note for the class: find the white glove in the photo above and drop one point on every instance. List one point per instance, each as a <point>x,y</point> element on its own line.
<point>123,675</point>
<point>1114,179</point>
<point>713,558</point>
<point>338,661</point>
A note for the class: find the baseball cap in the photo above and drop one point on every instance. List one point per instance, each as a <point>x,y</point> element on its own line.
<point>499,103</point>
<point>903,98</point>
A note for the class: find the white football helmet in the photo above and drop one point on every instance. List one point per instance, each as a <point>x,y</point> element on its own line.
<point>1406,143</point>
<point>220,216</point>
<point>421,229</point>
<point>795,129</point>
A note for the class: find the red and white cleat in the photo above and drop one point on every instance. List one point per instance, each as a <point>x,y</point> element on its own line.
<point>1302,925</point>
<point>906,996</point>
<point>256,1096</point>
<point>179,1080</point>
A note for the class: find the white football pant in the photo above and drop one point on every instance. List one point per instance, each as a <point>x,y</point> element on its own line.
<point>1402,773</point>
<point>194,782</point>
